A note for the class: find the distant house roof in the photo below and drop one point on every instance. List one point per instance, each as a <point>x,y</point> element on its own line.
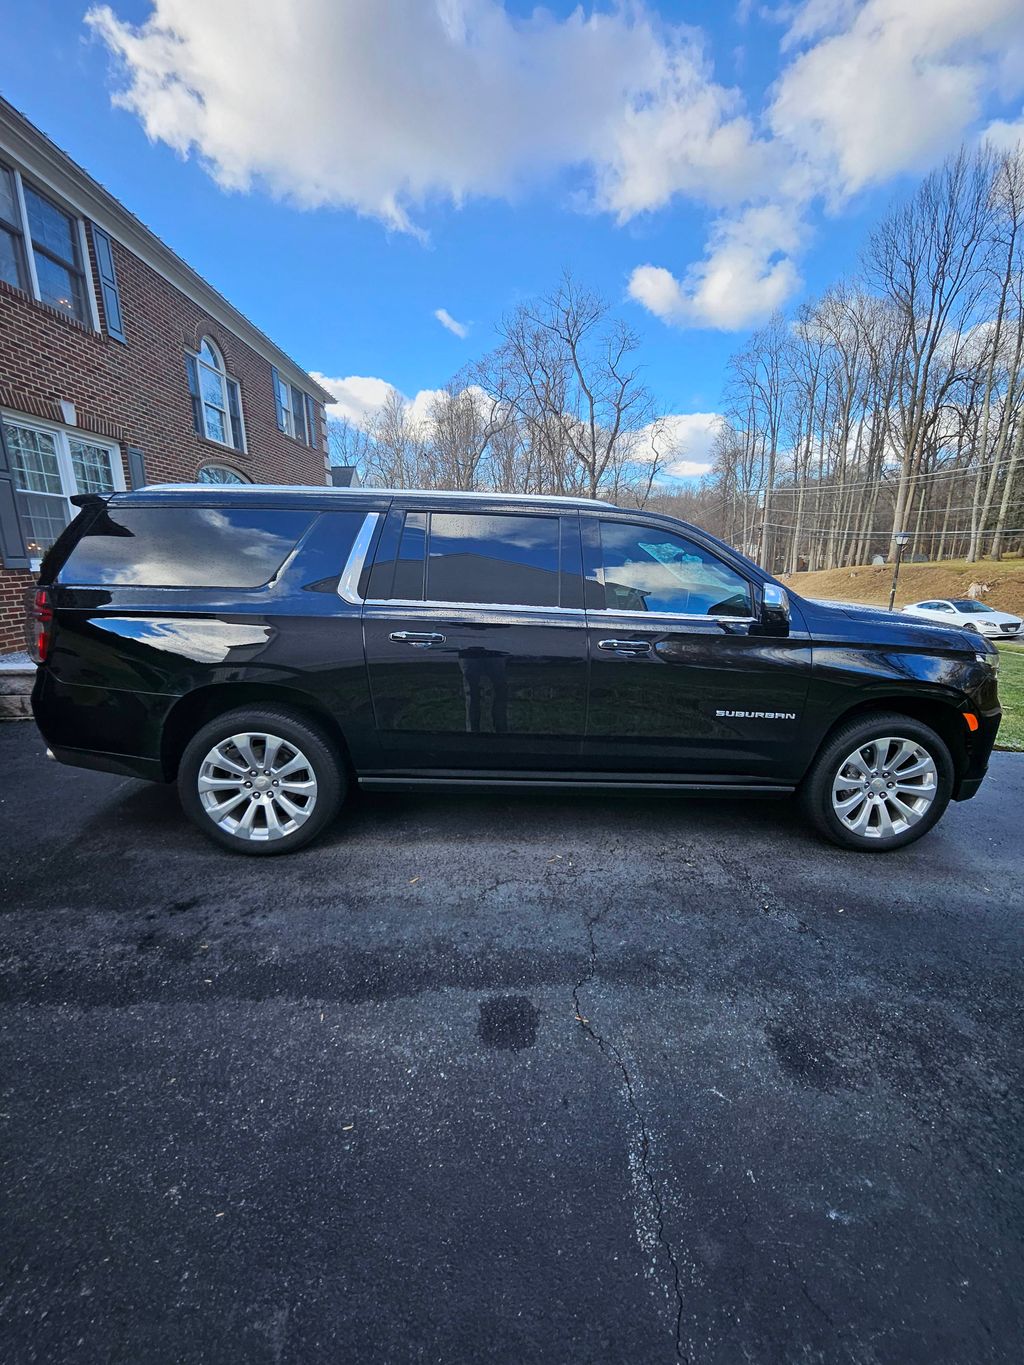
<point>344,476</point>
<point>47,163</point>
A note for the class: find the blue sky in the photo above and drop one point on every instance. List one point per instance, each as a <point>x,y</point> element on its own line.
<point>341,171</point>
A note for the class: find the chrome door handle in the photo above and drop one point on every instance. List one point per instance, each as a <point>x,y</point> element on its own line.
<point>625,646</point>
<point>416,637</point>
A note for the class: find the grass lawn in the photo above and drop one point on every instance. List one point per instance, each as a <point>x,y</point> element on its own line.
<point>1011,696</point>
<point>870,583</point>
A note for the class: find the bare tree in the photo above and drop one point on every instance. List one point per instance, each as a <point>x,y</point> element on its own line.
<point>924,260</point>
<point>464,420</point>
<point>568,370</point>
<point>1004,372</point>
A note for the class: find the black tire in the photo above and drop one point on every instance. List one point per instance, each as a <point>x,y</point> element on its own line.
<point>299,736</point>
<point>816,790</point>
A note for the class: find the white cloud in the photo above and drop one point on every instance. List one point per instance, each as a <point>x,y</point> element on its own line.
<point>357,398</point>
<point>683,440</point>
<point>459,329</point>
<point>747,273</point>
<point>421,404</point>
<point>893,88</point>
<point>872,88</point>
<point>688,136</point>
<point>1005,135</point>
<point>687,469</point>
<point>384,108</point>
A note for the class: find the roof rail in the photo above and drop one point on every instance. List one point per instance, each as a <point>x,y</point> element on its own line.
<point>480,495</point>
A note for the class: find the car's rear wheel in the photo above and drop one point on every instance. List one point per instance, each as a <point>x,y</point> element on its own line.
<point>261,780</point>
<point>879,783</point>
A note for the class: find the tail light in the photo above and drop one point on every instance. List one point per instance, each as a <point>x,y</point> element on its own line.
<point>40,626</point>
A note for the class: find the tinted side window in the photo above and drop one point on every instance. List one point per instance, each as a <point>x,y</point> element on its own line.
<point>408,584</point>
<point>501,559</point>
<point>185,547</point>
<point>648,569</point>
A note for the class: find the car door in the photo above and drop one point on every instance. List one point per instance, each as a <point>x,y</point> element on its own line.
<point>475,637</point>
<point>683,677</point>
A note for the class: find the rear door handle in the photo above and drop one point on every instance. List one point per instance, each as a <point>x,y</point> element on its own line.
<point>421,639</point>
<point>625,646</point>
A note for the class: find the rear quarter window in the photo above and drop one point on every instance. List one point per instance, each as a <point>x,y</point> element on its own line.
<point>184,547</point>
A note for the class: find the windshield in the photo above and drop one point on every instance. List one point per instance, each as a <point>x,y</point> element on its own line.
<point>969,607</point>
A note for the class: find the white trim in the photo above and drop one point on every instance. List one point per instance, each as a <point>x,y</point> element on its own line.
<point>26,241</point>
<point>284,399</point>
<point>348,582</point>
<point>241,416</point>
<point>225,379</point>
<point>26,146</point>
<point>83,247</point>
<point>65,464</point>
<point>28,247</point>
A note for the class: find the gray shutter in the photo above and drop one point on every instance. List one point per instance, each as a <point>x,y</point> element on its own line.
<point>311,426</point>
<point>108,284</point>
<point>299,411</point>
<point>193,387</point>
<point>12,542</point>
<point>136,468</point>
<point>277,399</point>
<point>235,413</point>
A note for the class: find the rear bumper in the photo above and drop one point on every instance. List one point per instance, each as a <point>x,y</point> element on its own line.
<point>125,765</point>
<point>105,728</point>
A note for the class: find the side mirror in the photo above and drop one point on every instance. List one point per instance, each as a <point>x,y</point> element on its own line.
<point>775,609</point>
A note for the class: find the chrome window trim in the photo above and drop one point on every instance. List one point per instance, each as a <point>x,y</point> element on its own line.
<point>671,616</point>
<point>652,616</point>
<point>348,583</point>
<point>468,606</point>
<point>348,589</point>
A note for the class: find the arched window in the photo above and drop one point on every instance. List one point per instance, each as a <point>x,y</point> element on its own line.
<point>221,473</point>
<point>216,400</point>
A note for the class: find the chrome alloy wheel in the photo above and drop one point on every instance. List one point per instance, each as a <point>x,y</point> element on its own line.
<point>884,787</point>
<point>257,786</point>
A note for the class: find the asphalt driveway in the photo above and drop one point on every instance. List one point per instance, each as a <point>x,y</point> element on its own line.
<point>509,1080</point>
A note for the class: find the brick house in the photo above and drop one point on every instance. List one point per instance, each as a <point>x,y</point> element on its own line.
<point>119,365</point>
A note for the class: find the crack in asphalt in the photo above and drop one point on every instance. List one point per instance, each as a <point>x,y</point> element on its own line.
<point>611,1052</point>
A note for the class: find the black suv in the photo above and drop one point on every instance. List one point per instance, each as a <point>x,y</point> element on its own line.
<point>268,646</point>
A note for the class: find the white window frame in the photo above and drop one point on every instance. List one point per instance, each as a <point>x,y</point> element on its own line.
<point>285,399</point>
<point>63,436</point>
<point>225,406</point>
<point>92,318</point>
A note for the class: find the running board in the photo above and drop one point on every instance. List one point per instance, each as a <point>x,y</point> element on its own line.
<point>505,784</point>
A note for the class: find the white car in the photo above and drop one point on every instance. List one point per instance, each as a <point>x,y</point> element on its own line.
<point>964,611</point>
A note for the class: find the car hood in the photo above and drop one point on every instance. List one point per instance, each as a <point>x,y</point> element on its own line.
<point>997,618</point>
<point>873,626</point>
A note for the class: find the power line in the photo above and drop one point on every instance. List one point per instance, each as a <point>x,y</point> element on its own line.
<point>881,481</point>
<point>854,533</point>
<point>841,518</point>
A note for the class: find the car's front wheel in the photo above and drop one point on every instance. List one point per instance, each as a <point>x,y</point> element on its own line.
<point>261,780</point>
<point>879,783</point>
